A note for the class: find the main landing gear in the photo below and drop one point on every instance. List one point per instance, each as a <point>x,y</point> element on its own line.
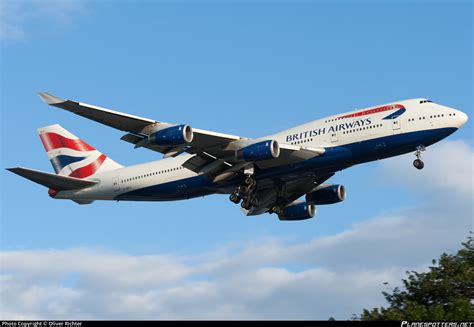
<point>245,194</point>
<point>418,163</point>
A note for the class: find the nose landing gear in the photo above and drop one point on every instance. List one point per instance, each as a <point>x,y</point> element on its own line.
<point>418,163</point>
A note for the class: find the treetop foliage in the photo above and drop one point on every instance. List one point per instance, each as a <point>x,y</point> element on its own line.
<point>445,292</point>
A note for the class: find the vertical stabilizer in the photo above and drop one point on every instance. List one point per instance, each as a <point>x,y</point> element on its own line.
<point>71,156</point>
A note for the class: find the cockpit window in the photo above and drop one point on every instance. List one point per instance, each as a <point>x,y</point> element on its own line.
<point>425,101</point>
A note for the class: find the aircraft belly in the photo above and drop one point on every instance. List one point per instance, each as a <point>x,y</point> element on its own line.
<point>340,157</point>
<point>175,190</point>
<point>393,145</point>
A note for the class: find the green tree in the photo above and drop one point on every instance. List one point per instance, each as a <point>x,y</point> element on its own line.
<point>445,292</point>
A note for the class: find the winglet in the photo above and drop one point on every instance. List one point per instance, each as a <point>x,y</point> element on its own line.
<point>49,99</point>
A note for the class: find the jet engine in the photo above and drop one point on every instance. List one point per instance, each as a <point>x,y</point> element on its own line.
<point>171,136</point>
<point>259,151</point>
<point>327,195</point>
<point>298,211</point>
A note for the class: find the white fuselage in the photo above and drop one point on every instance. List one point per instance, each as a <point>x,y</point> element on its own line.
<point>347,129</point>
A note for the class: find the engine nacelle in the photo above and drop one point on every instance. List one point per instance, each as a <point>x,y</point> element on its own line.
<point>259,151</point>
<point>171,136</point>
<point>299,211</point>
<point>327,195</point>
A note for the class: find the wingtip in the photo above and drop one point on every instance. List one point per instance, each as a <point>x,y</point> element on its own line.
<point>49,99</point>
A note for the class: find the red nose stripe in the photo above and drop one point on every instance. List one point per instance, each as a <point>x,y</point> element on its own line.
<point>373,111</point>
<point>53,141</point>
<point>90,169</point>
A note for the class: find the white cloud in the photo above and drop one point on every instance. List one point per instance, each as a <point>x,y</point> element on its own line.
<point>153,287</point>
<point>335,275</point>
<point>16,14</point>
<point>448,170</point>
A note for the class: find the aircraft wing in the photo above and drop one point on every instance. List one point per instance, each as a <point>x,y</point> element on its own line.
<point>137,127</point>
<point>212,149</point>
<point>108,117</point>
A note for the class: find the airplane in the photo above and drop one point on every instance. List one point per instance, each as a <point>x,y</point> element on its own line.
<point>269,174</point>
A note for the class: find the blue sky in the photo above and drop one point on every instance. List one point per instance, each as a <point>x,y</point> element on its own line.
<point>238,67</point>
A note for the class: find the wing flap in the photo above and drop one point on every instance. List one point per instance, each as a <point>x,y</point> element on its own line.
<point>57,182</point>
<point>208,139</point>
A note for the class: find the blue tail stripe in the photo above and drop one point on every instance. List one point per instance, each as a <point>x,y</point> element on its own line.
<point>62,161</point>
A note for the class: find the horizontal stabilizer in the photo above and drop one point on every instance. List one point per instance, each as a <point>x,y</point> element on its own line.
<point>56,182</point>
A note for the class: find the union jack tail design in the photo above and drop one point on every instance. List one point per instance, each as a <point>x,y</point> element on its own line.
<point>71,156</point>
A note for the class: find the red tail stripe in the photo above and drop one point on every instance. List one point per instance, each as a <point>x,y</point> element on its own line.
<point>90,169</point>
<point>373,111</point>
<point>53,141</point>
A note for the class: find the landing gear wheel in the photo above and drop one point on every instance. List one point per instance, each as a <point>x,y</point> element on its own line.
<point>244,190</point>
<point>246,205</point>
<point>253,185</point>
<point>254,201</point>
<point>234,197</point>
<point>250,182</point>
<point>418,164</point>
<point>276,209</point>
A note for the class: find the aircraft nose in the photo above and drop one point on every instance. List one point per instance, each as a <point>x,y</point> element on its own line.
<point>461,118</point>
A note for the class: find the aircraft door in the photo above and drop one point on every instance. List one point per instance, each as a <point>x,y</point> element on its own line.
<point>116,184</point>
<point>334,137</point>
<point>432,121</point>
<point>396,125</point>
